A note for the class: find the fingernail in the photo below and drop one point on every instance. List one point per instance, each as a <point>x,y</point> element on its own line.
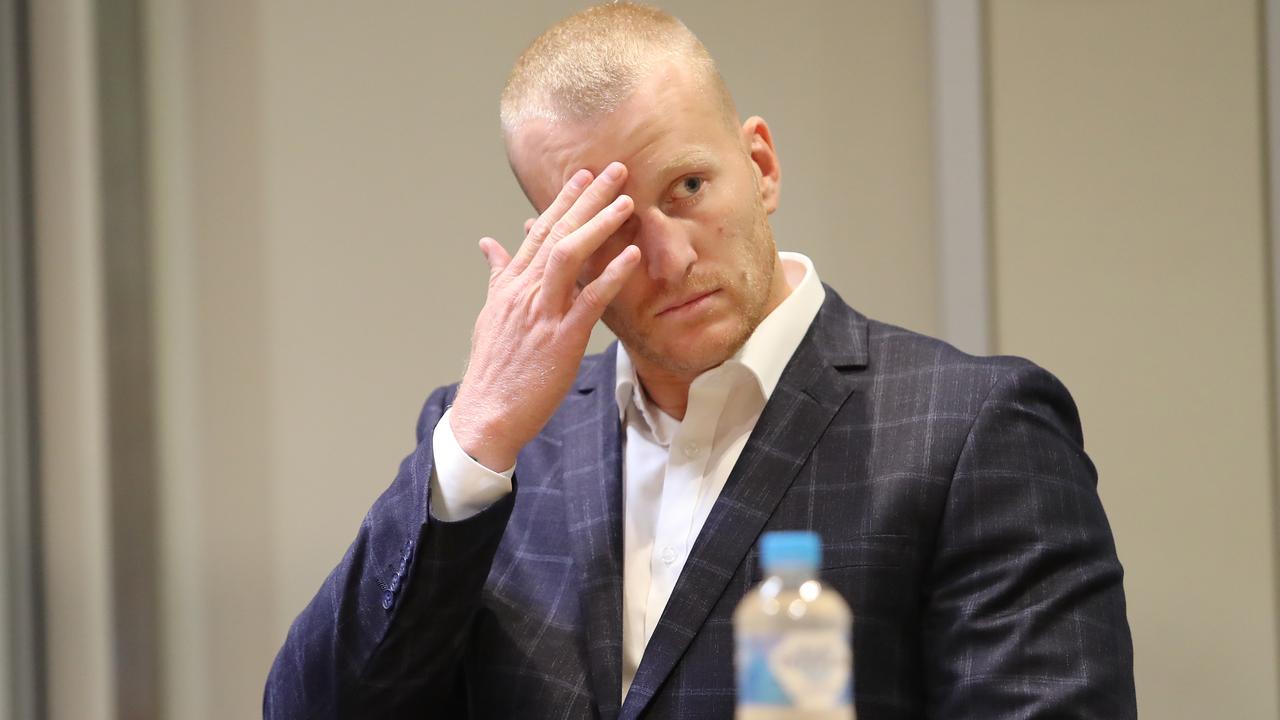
<point>614,171</point>
<point>619,203</point>
<point>580,178</point>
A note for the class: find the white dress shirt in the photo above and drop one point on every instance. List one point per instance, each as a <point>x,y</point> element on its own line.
<point>673,470</point>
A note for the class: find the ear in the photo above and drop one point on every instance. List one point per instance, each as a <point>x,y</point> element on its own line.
<point>758,141</point>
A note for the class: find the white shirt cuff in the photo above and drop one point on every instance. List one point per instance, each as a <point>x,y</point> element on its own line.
<point>460,486</point>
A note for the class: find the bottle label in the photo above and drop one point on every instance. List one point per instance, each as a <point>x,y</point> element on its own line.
<point>808,669</point>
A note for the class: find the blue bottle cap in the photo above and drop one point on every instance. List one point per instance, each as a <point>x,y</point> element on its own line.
<point>790,549</point>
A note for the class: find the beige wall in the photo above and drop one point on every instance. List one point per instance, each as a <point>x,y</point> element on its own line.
<point>218,589</point>
<point>1130,258</point>
<point>322,172</point>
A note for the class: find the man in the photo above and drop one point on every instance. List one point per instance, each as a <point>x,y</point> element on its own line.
<point>571,535</point>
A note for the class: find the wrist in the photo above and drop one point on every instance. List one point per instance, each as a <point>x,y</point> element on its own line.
<point>484,440</point>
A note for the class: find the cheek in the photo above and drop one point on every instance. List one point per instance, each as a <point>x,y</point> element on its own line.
<point>729,232</point>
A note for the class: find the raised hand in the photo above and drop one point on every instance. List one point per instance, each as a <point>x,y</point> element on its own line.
<point>533,330</point>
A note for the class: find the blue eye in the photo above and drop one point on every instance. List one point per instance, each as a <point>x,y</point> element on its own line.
<point>688,187</point>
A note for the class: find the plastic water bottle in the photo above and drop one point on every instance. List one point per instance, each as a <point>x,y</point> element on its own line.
<point>794,656</point>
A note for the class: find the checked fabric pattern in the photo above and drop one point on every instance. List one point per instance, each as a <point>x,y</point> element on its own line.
<point>959,517</point>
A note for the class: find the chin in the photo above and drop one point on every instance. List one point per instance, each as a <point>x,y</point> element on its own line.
<point>691,356</point>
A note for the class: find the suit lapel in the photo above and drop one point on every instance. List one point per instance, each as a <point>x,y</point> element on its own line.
<point>810,392</point>
<point>592,473</point>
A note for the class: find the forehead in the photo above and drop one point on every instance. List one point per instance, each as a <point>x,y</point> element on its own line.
<point>669,122</point>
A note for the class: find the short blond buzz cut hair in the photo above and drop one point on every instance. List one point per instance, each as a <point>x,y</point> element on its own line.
<point>589,63</point>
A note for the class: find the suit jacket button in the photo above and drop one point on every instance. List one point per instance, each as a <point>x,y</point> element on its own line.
<point>388,599</point>
<point>394,585</point>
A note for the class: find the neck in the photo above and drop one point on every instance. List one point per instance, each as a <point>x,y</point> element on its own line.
<point>668,390</point>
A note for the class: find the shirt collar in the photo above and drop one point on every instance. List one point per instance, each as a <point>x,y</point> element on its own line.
<point>766,353</point>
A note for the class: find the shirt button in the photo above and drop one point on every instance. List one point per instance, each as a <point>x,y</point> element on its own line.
<point>668,555</point>
<point>691,450</point>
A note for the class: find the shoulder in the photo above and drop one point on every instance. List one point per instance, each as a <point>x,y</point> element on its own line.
<point>897,351</point>
<point>433,408</point>
<point>908,369</point>
<point>934,373</point>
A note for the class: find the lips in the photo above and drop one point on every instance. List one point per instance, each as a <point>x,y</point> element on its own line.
<point>687,303</point>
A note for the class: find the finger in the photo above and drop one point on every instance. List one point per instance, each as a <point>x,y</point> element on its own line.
<point>597,196</point>
<point>495,255</point>
<point>566,258</point>
<point>528,225</point>
<point>540,227</point>
<point>597,294</point>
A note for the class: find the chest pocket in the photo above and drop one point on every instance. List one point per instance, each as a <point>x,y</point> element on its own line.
<point>875,573</point>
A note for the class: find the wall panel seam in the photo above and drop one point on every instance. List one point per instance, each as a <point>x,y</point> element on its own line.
<point>961,174</point>
<point>1269,106</point>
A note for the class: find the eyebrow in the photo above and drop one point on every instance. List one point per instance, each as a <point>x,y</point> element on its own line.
<point>684,159</point>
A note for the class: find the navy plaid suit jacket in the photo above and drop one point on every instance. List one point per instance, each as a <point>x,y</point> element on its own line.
<point>958,514</point>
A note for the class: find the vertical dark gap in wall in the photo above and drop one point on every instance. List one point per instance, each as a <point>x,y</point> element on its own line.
<point>131,416</point>
<point>21,578</point>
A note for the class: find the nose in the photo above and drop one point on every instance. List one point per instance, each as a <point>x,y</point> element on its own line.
<point>665,244</point>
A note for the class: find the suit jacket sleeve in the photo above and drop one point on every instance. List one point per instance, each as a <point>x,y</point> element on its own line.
<point>385,635</point>
<point>1026,614</point>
